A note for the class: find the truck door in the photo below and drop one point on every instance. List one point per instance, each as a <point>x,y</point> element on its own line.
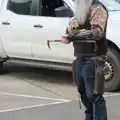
<point>18,20</point>
<point>53,28</point>
<point>0,4</point>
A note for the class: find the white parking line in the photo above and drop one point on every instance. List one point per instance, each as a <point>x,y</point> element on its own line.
<point>112,95</point>
<point>35,97</point>
<point>41,105</point>
<point>27,107</point>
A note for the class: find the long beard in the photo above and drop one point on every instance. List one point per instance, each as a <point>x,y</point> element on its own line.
<point>82,8</point>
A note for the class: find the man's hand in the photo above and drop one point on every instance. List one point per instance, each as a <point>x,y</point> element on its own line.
<point>64,40</point>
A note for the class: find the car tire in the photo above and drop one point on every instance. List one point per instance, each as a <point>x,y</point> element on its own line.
<point>112,82</point>
<point>1,66</point>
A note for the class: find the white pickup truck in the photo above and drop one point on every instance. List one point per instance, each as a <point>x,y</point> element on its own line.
<point>26,25</point>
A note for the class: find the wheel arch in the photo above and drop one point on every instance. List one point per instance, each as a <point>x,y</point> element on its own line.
<point>113,55</point>
<point>112,45</point>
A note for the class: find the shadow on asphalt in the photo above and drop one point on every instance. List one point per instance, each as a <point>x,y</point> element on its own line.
<point>37,74</point>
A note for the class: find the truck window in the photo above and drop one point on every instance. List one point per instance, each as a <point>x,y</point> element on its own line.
<point>48,6</point>
<point>24,7</point>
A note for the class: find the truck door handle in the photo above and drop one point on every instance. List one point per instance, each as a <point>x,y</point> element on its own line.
<point>5,23</point>
<point>38,26</point>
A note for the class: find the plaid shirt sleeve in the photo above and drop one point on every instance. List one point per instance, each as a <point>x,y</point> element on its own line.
<point>98,19</point>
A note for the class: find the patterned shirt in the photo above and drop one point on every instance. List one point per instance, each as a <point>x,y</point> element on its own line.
<point>98,20</point>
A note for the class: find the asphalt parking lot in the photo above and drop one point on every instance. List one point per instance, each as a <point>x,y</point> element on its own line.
<point>38,94</point>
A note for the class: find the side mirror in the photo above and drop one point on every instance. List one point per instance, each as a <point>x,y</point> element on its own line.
<point>63,12</point>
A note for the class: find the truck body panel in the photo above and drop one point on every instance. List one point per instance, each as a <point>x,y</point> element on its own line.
<point>21,39</point>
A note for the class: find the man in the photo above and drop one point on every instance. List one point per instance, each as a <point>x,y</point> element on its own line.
<point>89,15</point>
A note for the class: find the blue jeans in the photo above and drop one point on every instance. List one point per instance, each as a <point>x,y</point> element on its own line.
<point>85,76</point>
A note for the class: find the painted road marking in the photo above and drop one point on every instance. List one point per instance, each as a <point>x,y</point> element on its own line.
<point>35,97</point>
<point>112,95</point>
<point>27,107</point>
<point>41,105</point>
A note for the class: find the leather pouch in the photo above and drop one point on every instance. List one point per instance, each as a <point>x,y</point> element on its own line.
<point>99,81</point>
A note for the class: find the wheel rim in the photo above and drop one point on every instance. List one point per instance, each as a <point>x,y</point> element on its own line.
<point>108,71</point>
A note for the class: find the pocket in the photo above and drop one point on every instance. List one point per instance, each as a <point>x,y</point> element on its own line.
<point>99,63</point>
<point>89,69</point>
<point>90,61</point>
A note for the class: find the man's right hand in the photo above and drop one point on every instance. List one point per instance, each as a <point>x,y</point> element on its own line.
<point>64,40</point>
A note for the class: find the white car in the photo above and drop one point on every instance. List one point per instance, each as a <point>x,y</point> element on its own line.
<point>26,25</point>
